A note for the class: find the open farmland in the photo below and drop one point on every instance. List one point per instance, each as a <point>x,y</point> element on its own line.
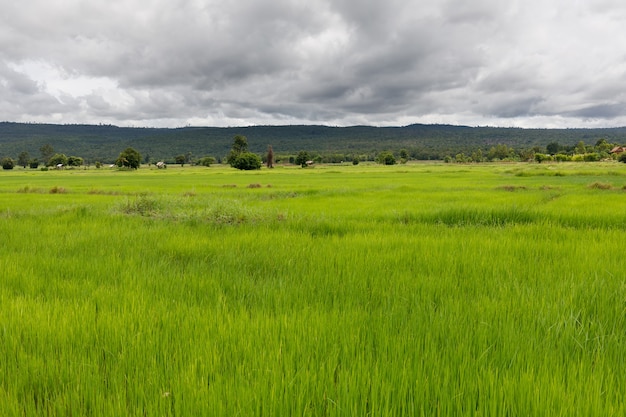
<point>421,289</point>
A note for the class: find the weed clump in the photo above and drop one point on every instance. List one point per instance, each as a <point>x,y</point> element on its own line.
<point>142,205</point>
<point>600,186</point>
<point>57,190</point>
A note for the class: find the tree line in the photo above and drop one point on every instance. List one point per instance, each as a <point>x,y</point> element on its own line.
<point>241,157</point>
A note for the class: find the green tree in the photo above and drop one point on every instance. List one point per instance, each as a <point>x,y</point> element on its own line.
<point>75,161</point>
<point>553,148</point>
<point>57,159</point>
<point>33,163</point>
<point>302,158</point>
<point>386,158</point>
<point>404,156</point>
<point>7,163</point>
<point>580,148</point>
<point>46,153</point>
<point>180,159</point>
<point>207,161</point>
<point>240,145</point>
<point>22,159</point>
<point>129,158</point>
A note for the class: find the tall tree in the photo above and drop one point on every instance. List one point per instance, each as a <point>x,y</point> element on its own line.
<point>22,159</point>
<point>46,152</point>
<point>240,146</point>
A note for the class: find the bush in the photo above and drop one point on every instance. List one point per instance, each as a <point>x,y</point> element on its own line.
<point>207,161</point>
<point>541,157</point>
<point>7,163</point>
<point>247,161</point>
<point>386,158</point>
<point>622,157</point>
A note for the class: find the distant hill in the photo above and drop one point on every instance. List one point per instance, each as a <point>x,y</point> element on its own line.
<point>105,142</point>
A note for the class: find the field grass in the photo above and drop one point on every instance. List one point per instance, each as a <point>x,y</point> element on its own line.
<point>425,289</point>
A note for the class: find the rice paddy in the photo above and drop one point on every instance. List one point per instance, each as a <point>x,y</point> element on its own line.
<point>421,289</point>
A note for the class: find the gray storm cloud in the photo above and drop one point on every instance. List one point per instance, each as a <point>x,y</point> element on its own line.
<point>216,62</point>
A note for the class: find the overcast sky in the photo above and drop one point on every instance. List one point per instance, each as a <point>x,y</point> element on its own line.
<point>170,63</point>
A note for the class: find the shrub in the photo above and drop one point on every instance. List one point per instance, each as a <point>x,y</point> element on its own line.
<point>600,186</point>
<point>247,161</point>
<point>386,158</point>
<point>7,163</point>
<point>622,157</point>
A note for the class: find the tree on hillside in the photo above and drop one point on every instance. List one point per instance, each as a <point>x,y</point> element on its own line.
<point>270,157</point>
<point>22,159</point>
<point>129,158</point>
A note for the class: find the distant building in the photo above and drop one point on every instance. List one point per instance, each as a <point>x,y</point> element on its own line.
<point>618,149</point>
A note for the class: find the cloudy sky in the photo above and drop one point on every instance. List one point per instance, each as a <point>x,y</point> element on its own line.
<point>170,63</point>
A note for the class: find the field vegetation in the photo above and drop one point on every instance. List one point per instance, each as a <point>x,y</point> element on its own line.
<point>337,290</point>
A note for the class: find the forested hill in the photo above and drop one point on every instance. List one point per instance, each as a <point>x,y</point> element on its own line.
<point>105,142</point>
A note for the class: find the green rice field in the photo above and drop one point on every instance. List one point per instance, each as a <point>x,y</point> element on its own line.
<point>423,289</point>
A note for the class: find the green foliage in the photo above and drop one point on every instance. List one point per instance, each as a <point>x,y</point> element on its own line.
<point>207,161</point>
<point>386,158</point>
<point>355,160</point>
<point>23,158</point>
<point>421,141</point>
<point>180,159</point>
<point>57,159</point>
<point>540,157</point>
<point>247,161</point>
<point>33,163</point>
<point>46,152</point>
<point>239,157</point>
<point>7,163</point>
<point>75,161</point>
<point>591,157</point>
<point>553,148</point>
<point>622,157</point>
<point>302,158</point>
<point>129,158</point>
